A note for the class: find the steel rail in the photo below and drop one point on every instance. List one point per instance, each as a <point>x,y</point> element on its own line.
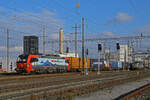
<point>12,94</point>
<point>134,93</point>
<point>61,86</point>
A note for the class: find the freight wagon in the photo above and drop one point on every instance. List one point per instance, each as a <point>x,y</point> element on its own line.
<point>116,65</point>
<point>137,65</point>
<point>102,64</point>
<point>49,63</point>
<point>76,63</point>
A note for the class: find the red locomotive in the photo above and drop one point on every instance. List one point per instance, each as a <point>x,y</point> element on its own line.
<point>42,63</point>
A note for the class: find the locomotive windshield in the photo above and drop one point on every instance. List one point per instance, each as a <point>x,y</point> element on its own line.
<point>22,59</point>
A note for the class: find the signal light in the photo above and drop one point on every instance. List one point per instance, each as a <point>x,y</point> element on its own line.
<point>87,52</point>
<point>67,50</point>
<point>118,46</point>
<point>99,47</point>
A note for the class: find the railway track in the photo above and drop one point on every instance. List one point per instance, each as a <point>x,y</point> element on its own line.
<point>27,84</point>
<point>61,86</point>
<point>22,79</point>
<point>37,85</point>
<point>15,76</point>
<point>27,76</point>
<point>142,93</point>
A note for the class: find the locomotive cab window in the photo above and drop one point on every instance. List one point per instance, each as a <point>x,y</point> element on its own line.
<point>22,59</point>
<point>34,60</point>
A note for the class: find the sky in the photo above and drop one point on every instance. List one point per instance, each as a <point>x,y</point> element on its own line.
<point>103,18</point>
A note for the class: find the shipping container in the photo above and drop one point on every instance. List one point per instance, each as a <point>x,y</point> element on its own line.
<point>76,63</point>
<point>116,65</point>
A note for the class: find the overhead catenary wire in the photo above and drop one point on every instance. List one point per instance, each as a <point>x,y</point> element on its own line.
<point>55,2</point>
<point>46,7</point>
<point>28,14</point>
<point>132,5</point>
<point>78,14</point>
<point>25,15</point>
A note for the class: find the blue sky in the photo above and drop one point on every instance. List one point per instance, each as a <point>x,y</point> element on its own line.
<point>103,18</point>
<point>96,12</point>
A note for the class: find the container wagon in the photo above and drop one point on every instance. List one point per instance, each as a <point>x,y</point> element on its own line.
<point>95,63</point>
<point>116,65</point>
<point>76,63</point>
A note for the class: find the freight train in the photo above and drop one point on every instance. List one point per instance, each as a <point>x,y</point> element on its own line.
<point>55,63</point>
<point>49,63</point>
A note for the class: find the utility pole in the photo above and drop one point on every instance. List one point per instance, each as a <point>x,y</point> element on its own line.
<point>67,46</point>
<point>132,53</point>
<point>44,40</point>
<point>109,58</point>
<point>7,50</point>
<point>118,52</point>
<point>99,56</point>
<point>53,47</point>
<point>82,44</point>
<point>76,27</point>
<point>125,57</point>
<point>105,52</point>
<point>129,54</point>
<point>86,73</point>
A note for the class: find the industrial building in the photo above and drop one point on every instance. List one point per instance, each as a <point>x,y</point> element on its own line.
<point>126,54</point>
<point>31,45</point>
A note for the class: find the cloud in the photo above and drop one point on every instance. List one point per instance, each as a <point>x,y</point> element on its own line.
<point>121,17</point>
<point>12,49</point>
<point>54,36</point>
<point>16,49</point>
<point>108,34</point>
<point>31,22</point>
<point>144,29</point>
<point>2,48</point>
<point>91,35</point>
<point>27,23</point>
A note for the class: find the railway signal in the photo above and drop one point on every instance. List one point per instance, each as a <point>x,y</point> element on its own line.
<point>11,66</point>
<point>99,50</point>
<point>118,50</point>
<point>87,52</point>
<point>99,47</point>
<point>67,50</point>
<point>118,46</point>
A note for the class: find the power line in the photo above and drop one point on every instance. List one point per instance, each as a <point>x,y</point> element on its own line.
<point>76,27</point>
<point>79,14</point>
<point>31,15</point>
<point>71,11</point>
<point>59,5</point>
<point>132,5</point>
<point>105,39</point>
<point>13,30</point>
